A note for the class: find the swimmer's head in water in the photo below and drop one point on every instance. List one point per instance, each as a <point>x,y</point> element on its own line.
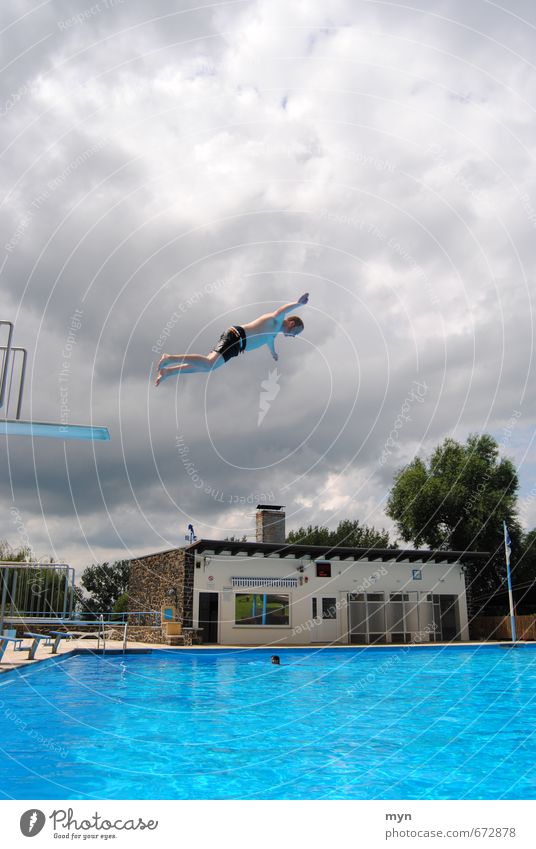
<point>292,325</point>
<point>275,660</point>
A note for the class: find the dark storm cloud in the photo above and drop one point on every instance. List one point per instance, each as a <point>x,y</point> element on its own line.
<point>154,186</point>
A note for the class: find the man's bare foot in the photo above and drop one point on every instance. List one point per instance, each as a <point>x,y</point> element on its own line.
<point>162,374</point>
<point>163,361</point>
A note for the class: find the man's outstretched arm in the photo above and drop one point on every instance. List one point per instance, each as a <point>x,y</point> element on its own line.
<point>271,345</point>
<point>281,312</point>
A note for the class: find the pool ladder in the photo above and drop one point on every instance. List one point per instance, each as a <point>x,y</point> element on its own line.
<point>102,633</point>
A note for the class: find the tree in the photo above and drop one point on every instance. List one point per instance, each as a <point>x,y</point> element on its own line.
<point>458,500</point>
<point>10,555</point>
<point>348,533</point>
<point>105,583</point>
<point>524,574</point>
<point>121,605</point>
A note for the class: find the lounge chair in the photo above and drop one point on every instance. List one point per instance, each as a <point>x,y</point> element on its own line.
<point>36,640</point>
<point>5,641</point>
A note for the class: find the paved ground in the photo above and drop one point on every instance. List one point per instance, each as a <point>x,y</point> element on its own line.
<point>15,659</point>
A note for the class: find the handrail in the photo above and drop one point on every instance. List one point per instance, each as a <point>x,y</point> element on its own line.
<point>125,637</point>
<point>10,349</point>
<point>7,348</point>
<point>101,619</point>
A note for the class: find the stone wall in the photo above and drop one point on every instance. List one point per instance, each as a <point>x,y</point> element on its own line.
<point>151,579</point>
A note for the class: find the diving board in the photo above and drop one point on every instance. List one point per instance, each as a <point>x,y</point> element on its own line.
<point>16,427</point>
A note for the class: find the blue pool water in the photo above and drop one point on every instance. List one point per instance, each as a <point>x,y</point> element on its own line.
<point>420,723</point>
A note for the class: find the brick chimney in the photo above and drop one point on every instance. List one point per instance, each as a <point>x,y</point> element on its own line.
<point>271,523</point>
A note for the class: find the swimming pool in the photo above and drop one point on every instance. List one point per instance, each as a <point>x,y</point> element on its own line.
<point>400,723</point>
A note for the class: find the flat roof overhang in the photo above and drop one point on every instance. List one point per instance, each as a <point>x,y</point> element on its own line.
<point>316,552</point>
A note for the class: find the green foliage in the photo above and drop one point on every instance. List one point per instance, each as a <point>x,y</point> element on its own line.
<point>10,555</point>
<point>524,573</point>
<point>121,604</point>
<point>458,501</point>
<point>105,583</point>
<point>40,589</point>
<point>348,533</point>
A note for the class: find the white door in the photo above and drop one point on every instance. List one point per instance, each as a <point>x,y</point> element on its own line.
<point>324,617</point>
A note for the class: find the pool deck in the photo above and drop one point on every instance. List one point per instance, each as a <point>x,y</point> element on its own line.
<point>18,659</point>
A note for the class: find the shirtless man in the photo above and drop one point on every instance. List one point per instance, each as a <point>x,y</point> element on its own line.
<point>235,340</point>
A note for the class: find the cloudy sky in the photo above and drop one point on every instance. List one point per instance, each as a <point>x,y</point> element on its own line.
<point>173,169</point>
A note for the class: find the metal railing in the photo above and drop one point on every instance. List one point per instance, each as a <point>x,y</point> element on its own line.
<point>36,591</point>
<point>9,353</point>
<point>7,349</point>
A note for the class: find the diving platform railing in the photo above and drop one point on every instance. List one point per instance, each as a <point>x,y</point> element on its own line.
<point>5,360</point>
<point>16,427</point>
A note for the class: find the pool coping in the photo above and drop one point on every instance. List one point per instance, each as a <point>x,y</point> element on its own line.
<point>15,664</point>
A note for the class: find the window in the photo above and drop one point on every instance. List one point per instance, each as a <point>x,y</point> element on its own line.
<point>323,570</point>
<point>329,608</point>
<point>261,609</point>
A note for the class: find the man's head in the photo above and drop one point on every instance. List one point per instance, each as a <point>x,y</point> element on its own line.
<point>292,325</point>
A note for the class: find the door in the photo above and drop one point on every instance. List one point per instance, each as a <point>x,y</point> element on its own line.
<point>324,616</point>
<point>366,618</point>
<point>208,616</point>
<point>450,617</point>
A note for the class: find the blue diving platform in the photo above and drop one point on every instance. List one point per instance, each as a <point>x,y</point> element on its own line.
<point>16,427</point>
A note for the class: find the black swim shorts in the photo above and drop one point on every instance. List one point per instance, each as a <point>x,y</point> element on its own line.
<point>231,343</point>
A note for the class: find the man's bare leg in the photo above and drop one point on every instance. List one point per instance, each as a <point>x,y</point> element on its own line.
<point>167,360</point>
<point>174,371</point>
<point>196,363</point>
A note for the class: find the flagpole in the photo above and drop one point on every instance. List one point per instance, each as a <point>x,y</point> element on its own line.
<point>507,552</point>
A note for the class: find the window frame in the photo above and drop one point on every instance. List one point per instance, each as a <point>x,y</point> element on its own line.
<point>323,566</point>
<point>264,610</point>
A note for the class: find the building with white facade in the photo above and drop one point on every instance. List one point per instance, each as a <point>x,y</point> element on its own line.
<point>261,593</point>
<point>276,593</point>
